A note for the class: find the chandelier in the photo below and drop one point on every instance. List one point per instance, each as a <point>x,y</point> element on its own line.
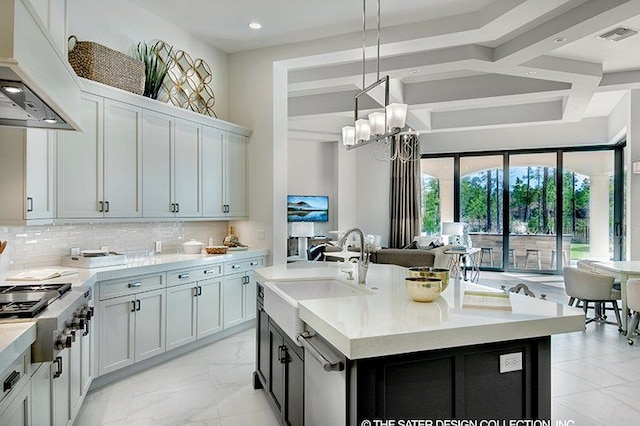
<point>384,128</point>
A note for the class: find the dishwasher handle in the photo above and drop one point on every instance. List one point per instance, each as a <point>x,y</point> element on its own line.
<point>326,364</point>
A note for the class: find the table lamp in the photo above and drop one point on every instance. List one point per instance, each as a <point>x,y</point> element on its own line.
<point>302,230</point>
<point>455,231</point>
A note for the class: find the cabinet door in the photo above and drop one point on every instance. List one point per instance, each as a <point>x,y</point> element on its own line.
<point>236,175</point>
<point>181,314</point>
<point>17,412</point>
<point>294,412</point>
<point>157,164</point>
<point>150,324</point>
<point>41,395</point>
<point>188,169</point>
<point>86,361</point>
<point>116,337</point>
<point>122,160</point>
<point>61,399</point>
<point>249,297</point>
<point>75,381</point>
<point>79,165</point>
<point>39,174</point>
<point>276,367</point>
<point>232,299</point>
<point>213,172</point>
<point>209,307</point>
<point>262,345</point>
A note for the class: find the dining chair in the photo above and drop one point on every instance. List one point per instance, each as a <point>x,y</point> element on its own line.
<point>590,287</point>
<point>633,302</point>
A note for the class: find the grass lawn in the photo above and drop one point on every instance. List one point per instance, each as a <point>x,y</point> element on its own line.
<point>579,251</point>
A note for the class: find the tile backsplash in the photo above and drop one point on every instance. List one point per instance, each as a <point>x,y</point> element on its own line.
<point>38,246</point>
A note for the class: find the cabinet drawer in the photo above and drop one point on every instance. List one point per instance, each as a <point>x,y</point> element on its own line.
<point>243,265</point>
<point>182,276</point>
<point>14,375</point>
<point>109,289</point>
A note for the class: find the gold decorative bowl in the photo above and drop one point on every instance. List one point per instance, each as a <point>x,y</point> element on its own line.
<point>423,289</point>
<point>216,249</point>
<point>428,271</point>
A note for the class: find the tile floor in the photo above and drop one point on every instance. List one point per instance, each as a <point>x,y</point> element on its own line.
<point>595,381</point>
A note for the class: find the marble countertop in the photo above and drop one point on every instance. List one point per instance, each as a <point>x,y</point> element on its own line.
<point>15,338</point>
<point>137,266</point>
<point>388,322</point>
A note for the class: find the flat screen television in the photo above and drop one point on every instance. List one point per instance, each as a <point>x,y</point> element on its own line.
<point>307,208</point>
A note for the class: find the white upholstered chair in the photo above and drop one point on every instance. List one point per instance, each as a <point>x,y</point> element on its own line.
<point>633,301</point>
<point>590,287</point>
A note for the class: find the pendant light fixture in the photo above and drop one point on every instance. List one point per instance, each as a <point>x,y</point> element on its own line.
<point>380,127</point>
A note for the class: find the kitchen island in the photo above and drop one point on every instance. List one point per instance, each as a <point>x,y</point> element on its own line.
<point>407,360</point>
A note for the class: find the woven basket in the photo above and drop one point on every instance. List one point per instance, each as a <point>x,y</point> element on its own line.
<point>99,63</point>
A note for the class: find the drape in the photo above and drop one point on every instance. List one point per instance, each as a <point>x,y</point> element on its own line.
<point>405,192</point>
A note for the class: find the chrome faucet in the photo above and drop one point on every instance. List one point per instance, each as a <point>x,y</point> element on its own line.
<point>363,263</point>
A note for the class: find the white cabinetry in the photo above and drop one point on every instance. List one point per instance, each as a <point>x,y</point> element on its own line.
<point>99,173</point>
<point>60,389</point>
<point>15,394</point>
<point>53,15</point>
<point>41,394</point>
<point>26,176</point>
<point>239,291</point>
<point>194,307</point>
<point>131,321</point>
<point>224,173</point>
<point>172,167</point>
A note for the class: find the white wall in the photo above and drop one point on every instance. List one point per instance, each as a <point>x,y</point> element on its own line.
<point>120,25</point>
<point>311,170</point>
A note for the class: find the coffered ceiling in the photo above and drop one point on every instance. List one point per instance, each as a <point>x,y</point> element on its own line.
<point>459,64</point>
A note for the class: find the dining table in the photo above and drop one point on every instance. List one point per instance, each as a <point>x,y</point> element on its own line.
<point>623,270</point>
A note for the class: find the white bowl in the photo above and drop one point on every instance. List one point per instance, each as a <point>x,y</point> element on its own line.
<point>192,247</point>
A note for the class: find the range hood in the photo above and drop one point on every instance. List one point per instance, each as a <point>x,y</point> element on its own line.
<point>38,88</point>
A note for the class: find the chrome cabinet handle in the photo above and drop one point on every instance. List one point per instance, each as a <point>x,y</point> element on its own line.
<point>255,263</point>
<point>135,284</point>
<point>209,271</point>
<point>184,275</point>
<point>29,204</point>
<point>235,266</point>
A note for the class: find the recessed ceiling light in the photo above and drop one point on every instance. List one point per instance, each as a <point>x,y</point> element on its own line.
<point>413,72</point>
<point>531,73</point>
<point>255,25</point>
<point>12,89</point>
<point>559,39</point>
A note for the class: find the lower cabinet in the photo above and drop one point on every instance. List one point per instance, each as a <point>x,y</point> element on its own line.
<point>41,400</point>
<point>193,311</point>
<point>60,389</point>
<point>15,411</point>
<point>285,385</point>
<point>131,328</point>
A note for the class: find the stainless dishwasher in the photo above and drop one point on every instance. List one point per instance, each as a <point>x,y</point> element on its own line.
<point>325,382</point>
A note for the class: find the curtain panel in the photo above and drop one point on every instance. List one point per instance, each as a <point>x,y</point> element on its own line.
<point>405,193</point>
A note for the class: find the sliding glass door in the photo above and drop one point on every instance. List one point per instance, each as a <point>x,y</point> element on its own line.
<point>481,205</point>
<point>530,211</point>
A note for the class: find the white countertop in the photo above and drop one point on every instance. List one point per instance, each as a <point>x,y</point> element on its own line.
<point>15,338</point>
<point>389,322</point>
<point>137,266</point>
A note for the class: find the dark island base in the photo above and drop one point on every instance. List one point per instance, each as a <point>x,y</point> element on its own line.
<point>459,383</point>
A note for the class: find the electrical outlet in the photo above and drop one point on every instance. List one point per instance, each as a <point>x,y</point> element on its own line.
<point>259,234</point>
<point>158,246</point>
<point>511,362</point>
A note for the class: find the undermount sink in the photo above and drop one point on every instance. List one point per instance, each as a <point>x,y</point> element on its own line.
<point>281,299</point>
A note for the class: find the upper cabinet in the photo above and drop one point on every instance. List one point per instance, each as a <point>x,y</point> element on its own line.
<point>140,158</point>
<point>224,173</point>
<point>172,167</point>
<point>99,169</point>
<point>26,176</point>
